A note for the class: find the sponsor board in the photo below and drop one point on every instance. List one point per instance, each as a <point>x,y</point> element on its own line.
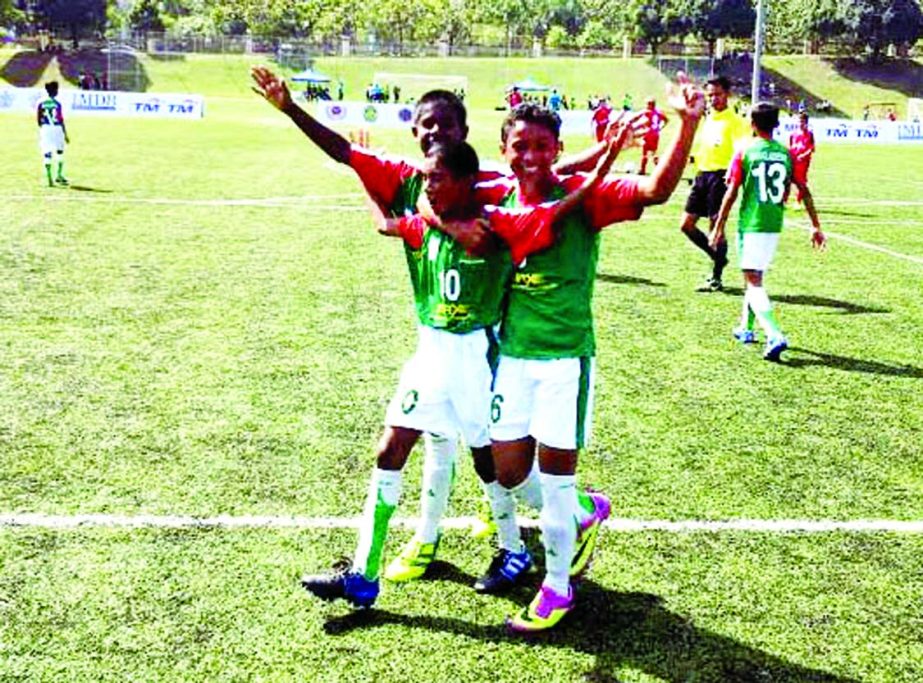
<point>107,103</point>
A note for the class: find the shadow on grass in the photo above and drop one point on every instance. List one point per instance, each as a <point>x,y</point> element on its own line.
<point>627,280</point>
<point>622,630</point>
<point>24,69</point>
<point>845,307</point>
<point>903,75</point>
<point>85,188</point>
<point>847,364</point>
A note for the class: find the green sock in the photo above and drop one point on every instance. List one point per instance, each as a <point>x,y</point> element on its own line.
<point>48,173</point>
<point>380,504</point>
<point>61,169</point>
<point>762,308</point>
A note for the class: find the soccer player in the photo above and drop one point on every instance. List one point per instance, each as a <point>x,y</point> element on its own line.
<point>801,146</point>
<point>763,172</point>
<point>52,133</point>
<point>654,122</point>
<point>543,394</point>
<point>395,186</point>
<point>601,118</point>
<point>721,131</point>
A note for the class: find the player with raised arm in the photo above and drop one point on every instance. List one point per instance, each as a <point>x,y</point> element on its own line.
<point>801,145</point>
<point>763,173</point>
<point>543,391</point>
<point>52,133</point>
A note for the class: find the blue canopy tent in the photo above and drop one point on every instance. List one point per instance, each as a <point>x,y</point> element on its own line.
<point>309,76</point>
<point>529,85</point>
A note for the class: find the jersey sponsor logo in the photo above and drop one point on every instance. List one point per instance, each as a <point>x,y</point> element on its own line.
<point>530,281</point>
<point>453,311</point>
<point>410,401</point>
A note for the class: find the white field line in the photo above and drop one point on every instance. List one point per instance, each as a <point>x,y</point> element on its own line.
<point>300,203</point>
<point>774,526</point>
<point>864,245</point>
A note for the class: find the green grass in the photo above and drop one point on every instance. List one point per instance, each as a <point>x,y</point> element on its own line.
<point>206,359</point>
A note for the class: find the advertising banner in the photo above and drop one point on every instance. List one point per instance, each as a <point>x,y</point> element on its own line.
<point>107,103</point>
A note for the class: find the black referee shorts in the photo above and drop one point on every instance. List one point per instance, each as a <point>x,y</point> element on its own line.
<point>707,193</point>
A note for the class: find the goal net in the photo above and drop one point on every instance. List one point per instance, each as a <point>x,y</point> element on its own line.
<point>915,109</point>
<point>412,86</point>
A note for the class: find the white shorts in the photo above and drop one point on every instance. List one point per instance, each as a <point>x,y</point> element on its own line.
<point>445,387</point>
<point>549,400</point>
<point>755,250</point>
<point>51,139</point>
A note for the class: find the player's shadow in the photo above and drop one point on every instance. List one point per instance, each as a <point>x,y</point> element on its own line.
<point>803,358</point>
<point>85,188</point>
<point>844,307</point>
<point>845,212</point>
<point>622,630</point>
<point>627,280</point>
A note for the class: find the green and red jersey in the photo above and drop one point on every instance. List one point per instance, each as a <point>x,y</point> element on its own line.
<point>549,307</point>
<point>49,113</point>
<point>452,289</point>
<point>763,171</point>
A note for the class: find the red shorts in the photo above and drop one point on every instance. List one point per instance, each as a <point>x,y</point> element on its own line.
<point>651,142</point>
<point>800,172</point>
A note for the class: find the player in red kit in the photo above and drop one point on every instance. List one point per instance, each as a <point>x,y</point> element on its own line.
<point>801,147</point>
<point>654,121</point>
<point>601,118</point>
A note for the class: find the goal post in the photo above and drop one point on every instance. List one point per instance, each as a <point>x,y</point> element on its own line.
<point>915,109</point>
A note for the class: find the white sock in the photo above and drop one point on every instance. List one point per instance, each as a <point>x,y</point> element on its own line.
<point>380,503</point>
<point>438,473</point>
<point>559,528</point>
<point>529,491</point>
<point>762,309</point>
<point>503,508</point>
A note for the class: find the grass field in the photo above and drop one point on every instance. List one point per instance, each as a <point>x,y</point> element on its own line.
<point>206,324</point>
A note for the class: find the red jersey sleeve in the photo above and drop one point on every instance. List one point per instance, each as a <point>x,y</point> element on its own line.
<point>59,113</point>
<point>525,230</point>
<point>494,191</point>
<point>612,200</point>
<point>411,230</point>
<point>381,176</point>
<point>735,174</point>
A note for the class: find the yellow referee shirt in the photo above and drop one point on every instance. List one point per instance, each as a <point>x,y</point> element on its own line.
<point>718,137</point>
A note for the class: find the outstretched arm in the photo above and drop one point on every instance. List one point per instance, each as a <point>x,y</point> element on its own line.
<point>274,90</point>
<point>689,103</point>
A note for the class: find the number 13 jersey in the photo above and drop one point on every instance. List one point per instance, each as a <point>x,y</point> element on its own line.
<point>764,172</point>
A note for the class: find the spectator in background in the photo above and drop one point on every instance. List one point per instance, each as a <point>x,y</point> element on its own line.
<point>554,102</point>
<point>892,116</point>
<point>626,102</point>
<point>865,113</point>
<point>340,90</point>
<point>396,92</point>
<point>514,99</point>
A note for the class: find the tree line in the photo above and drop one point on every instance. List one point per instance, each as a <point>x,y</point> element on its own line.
<point>866,26</point>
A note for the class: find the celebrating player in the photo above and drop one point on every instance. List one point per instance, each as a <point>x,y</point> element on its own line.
<point>654,122</point>
<point>543,391</point>
<point>52,133</point>
<point>801,145</point>
<point>721,130</point>
<point>763,171</point>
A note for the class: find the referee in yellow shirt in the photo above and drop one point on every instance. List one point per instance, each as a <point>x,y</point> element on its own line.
<point>718,135</point>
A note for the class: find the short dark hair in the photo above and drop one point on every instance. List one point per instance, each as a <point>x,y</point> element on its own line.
<point>459,160</point>
<point>530,112</point>
<point>449,99</point>
<point>51,87</point>
<point>723,81</point>
<point>765,116</point>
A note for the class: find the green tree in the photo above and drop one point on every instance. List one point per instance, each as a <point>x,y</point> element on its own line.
<point>75,17</point>
<point>596,35</point>
<point>653,21</point>
<point>713,19</point>
<point>875,24</point>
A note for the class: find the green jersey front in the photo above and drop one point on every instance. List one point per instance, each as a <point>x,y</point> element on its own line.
<point>763,171</point>
<point>549,312</point>
<point>452,290</point>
